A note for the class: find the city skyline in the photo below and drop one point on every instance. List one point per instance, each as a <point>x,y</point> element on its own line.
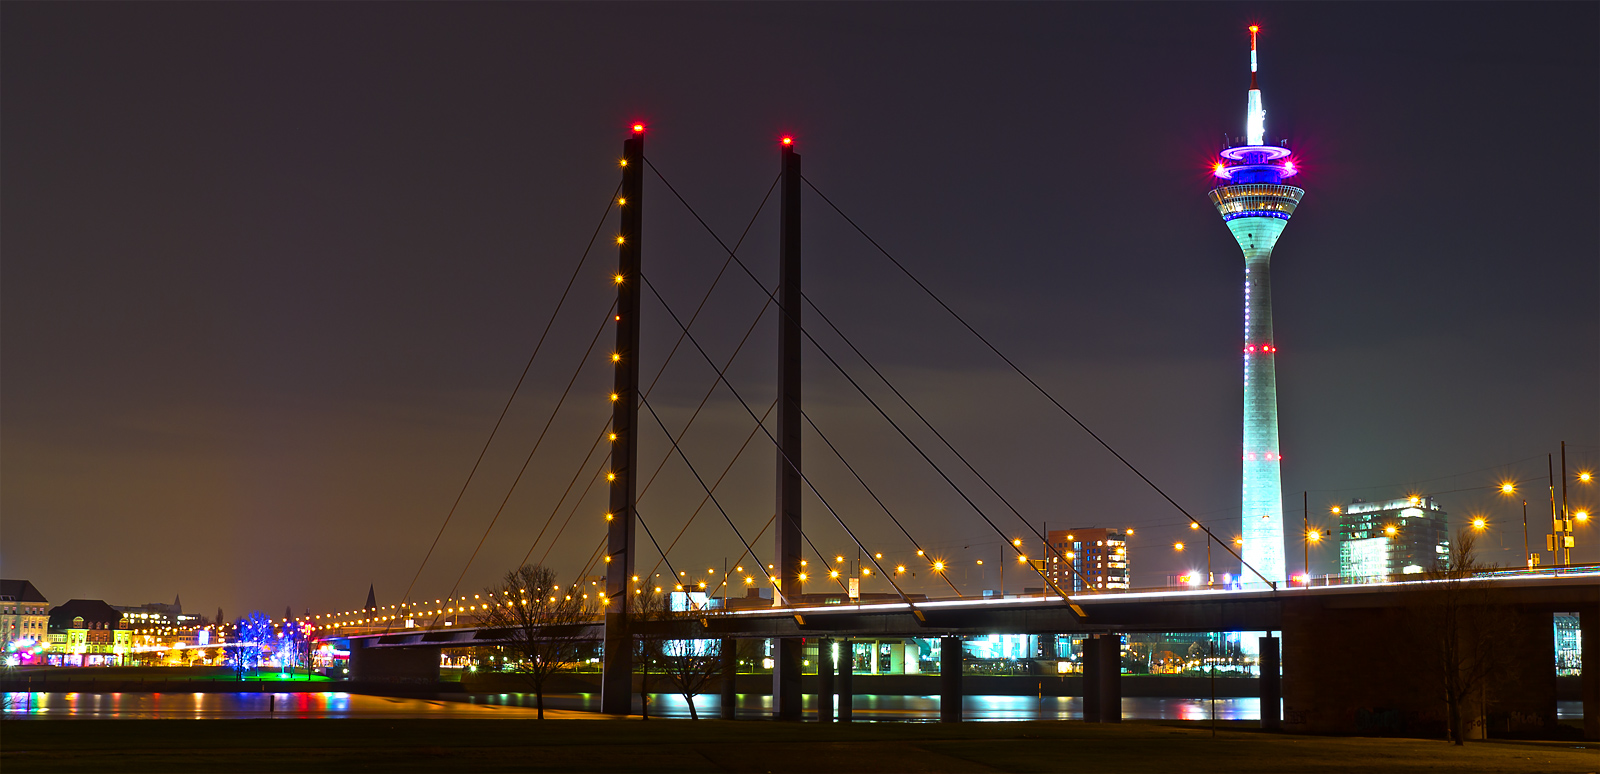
<point>262,307</point>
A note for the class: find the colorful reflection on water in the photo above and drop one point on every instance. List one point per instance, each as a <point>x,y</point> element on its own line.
<point>867,707</point>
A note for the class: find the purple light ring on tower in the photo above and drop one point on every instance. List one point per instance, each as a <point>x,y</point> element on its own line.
<point>1246,152</point>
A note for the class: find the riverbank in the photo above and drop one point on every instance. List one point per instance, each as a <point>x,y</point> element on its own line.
<point>605,745</point>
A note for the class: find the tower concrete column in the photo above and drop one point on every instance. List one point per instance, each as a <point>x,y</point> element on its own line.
<point>1256,205</point>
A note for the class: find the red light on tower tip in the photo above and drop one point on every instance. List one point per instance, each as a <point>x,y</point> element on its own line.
<point>1255,28</point>
<point>788,141</point>
<point>638,128</point>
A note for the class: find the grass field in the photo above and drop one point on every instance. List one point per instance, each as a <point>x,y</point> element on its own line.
<point>632,745</point>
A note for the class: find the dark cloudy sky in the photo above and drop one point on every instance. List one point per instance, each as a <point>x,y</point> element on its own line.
<point>270,271</point>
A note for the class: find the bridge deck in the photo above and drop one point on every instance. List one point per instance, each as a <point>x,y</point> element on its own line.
<point>1197,610</point>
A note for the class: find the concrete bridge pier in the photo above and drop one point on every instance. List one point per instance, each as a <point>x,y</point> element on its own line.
<point>950,696</point>
<point>393,665</point>
<point>1089,659</point>
<point>1271,685</point>
<point>1589,631</point>
<point>825,680</point>
<point>1110,678</point>
<point>730,677</point>
<point>847,667</point>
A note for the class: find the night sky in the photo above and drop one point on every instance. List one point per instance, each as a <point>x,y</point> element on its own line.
<point>270,271</point>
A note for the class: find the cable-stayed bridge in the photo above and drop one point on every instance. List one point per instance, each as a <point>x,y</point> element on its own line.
<point>780,557</point>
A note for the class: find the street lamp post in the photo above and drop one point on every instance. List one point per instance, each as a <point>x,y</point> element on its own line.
<point>1527,558</point>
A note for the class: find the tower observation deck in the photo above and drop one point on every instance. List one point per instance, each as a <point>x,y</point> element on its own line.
<point>1256,205</point>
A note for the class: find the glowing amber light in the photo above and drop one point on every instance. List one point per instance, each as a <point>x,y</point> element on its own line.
<point>833,573</point>
<point>1585,476</point>
<point>613,436</point>
<point>803,576</point>
<point>620,239</point>
<point>938,566</point>
<point>609,517</point>
<point>1479,523</point>
<point>1391,530</point>
<point>618,280</point>
<point>1194,525</point>
<point>1335,510</point>
<point>1581,515</point>
<point>1022,560</point>
<point>622,201</point>
<point>900,568</point>
<point>624,162</point>
<point>615,357</point>
<point>615,396</point>
<point>611,477</point>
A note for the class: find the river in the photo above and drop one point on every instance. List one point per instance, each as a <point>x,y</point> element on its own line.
<point>868,707</point>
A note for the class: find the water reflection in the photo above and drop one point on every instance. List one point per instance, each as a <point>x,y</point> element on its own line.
<point>868,707</point>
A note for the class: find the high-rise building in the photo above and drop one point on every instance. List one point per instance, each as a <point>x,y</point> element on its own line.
<point>1378,541</point>
<point>1256,205</point>
<point>1084,559</point>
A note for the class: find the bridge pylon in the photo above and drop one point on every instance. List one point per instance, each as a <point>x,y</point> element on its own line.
<point>786,651</point>
<point>616,677</point>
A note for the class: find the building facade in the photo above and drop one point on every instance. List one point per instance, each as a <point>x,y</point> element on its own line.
<point>24,613</point>
<point>1088,559</point>
<point>88,632</point>
<point>1381,540</point>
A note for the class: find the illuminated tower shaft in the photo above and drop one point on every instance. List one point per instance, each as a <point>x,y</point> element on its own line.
<point>1256,206</point>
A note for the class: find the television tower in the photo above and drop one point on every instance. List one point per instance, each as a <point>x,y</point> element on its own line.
<point>1256,205</point>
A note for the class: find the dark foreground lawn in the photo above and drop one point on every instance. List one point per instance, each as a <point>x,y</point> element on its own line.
<point>748,746</point>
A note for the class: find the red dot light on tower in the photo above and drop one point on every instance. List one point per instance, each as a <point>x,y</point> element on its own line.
<point>638,128</point>
<point>788,140</point>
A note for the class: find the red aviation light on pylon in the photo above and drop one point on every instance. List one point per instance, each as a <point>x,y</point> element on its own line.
<point>638,128</point>
<point>787,140</point>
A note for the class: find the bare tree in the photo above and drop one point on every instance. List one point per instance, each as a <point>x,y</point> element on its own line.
<point>1461,633</point>
<point>650,610</point>
<point>542,623</point>
<point>691,665</point>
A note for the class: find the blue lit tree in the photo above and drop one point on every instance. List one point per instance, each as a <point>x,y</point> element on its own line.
<point>255,633</point>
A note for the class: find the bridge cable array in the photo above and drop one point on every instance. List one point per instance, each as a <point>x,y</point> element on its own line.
<point>852,381</point>
<point>1012,364</point>
<point>514,390</point>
